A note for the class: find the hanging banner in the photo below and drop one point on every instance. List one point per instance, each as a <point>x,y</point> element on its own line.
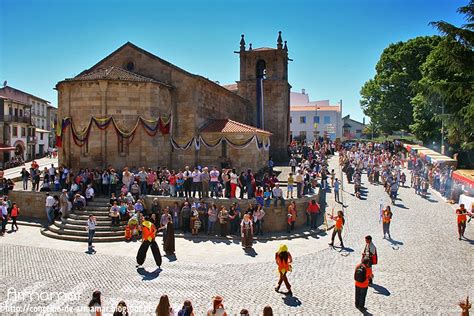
<point>151,127</point>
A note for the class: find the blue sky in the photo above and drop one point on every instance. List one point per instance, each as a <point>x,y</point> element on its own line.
<point>335,44</point>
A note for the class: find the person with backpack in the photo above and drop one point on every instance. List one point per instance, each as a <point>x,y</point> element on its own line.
<point>361,278</point>
<point>370,252</point>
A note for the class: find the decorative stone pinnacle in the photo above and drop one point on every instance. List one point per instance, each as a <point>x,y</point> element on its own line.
<point>250,46</point>
<point>242,44</point>
<point>285,47</point>
<point>279,41</point>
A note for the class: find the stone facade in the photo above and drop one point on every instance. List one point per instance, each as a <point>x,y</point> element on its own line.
<point>276,93</point>
<point>32,206</point>
<point>137,83</point>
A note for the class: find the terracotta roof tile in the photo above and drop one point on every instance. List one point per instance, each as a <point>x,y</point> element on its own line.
<point>112,73</point>
<point>230,126</point>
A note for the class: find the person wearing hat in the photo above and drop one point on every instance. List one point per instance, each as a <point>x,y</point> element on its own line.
<point>148,235</point>
<point>283,260</point>
<point>246,227</point>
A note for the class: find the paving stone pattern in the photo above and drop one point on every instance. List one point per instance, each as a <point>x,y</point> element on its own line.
<point>427,271</point>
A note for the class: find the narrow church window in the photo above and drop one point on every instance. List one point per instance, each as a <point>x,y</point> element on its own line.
<point>130,66</point>
<point>122,146</point>
<point>261,69</point>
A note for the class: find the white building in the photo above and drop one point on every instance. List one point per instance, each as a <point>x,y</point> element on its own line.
<point>310,119</point>
<point>352,129</point>
<point>42,142</point>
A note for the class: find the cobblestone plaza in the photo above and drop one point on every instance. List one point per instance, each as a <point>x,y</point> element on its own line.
<point>425,269</point>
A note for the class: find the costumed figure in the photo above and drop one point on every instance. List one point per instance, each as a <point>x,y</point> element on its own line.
<point>148,234</point>
<point>247,231</point>
<point>128,233</point>
<point>283,260</point>
<point>168,246</point>
<point>133,223</point>
<point>337,228</point>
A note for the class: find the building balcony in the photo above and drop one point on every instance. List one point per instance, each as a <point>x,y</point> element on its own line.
<point>32,139</point>
<point>14,118</point>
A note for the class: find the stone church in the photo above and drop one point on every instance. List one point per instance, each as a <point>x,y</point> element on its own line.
<point>133,108</point>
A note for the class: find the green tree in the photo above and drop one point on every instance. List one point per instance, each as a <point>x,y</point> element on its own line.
<point>448,79</point>
<point>387,98</point>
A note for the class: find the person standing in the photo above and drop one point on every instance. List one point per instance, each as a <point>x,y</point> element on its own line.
<point>25,175</point>
<point>196,182</point>
<point>148,240</point>
<point>313,210</point>
<point>233,183</point>
<point>283,260</point>
<point>291,217</point>
<point>205,182</point>
<point>291,182</point>
<point>336,190</point>
<point>49,204</point>
<point>4,216</point>
<point>212,218</point>
<point>186,217</point>
<point>461,213</point>
<point>188,181</point>
<point>361,278</point>
<point>386,219</point>
<point>14,215</point>
<point>293,164</point>
<point>169,245</point>
<point>246,228</point>
<point>370,252</point>
<point>299,184</point>
<point>91,226</point>
<point>214,181</point>
<point>340,221</point>
<point>223,221</point>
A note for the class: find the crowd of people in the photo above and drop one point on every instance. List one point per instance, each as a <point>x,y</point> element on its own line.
<point>165,308</point>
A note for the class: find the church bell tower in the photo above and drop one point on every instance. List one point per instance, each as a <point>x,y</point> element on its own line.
<point>264,82</point>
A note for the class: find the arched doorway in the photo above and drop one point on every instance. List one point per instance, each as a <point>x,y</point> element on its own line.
<point>19,149</point>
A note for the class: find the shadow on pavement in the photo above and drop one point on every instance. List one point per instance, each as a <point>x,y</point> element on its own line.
<point>380,290</point>
<point>291,301</point>
<point>401,206</point>
<point>250,252</point>
<point>395,242</point>
<point>149,275</point>
<point>171,258</point>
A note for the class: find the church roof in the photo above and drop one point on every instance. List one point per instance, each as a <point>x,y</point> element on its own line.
<point>229,126</point>
<point>112,73</point>
<point>264,48</point>
<point>231,87</point>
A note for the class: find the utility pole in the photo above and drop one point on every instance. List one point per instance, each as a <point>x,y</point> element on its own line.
<point>442,128</point>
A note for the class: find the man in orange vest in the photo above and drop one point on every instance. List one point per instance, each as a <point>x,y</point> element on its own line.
<point>337,228</point>
<point>386,219</point>
<point>462,214</point>
<point>361,277</point>
<point>148,234</point>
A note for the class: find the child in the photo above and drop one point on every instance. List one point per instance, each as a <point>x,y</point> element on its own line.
<point>259,196</point>
<point>291,182</point>
<point>267,196</point>
<point>195,222</point>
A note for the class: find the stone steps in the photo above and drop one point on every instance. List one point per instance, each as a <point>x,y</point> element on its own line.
<point>51,234</point>
<point>81,226</point>
<point>72,232</point>
<point>73,228</point>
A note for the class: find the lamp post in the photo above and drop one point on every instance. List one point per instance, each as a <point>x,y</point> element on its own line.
<point>442,128</point>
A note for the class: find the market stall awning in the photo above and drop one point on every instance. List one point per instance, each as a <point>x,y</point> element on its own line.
<point>465,176</point>
<point>4,147</point>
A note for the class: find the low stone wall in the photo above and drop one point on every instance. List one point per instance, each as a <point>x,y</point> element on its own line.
<point>32,206</point>
<point>275,219</point>
<point>31,203</point>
